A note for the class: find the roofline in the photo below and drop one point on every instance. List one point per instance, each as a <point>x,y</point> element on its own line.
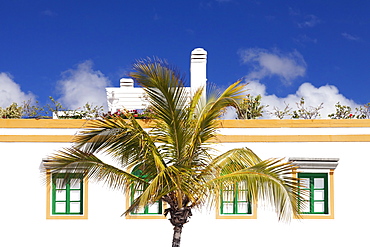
<point>250,123</point>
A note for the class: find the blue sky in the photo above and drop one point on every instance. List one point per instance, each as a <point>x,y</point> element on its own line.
<point>72,50</point>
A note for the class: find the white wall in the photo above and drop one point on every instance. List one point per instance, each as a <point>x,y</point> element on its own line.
<point>23,200</point>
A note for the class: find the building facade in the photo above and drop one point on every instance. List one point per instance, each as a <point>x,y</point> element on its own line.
<point>331,155</point>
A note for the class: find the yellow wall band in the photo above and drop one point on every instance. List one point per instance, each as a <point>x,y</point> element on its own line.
<point>295,123</point>
<point>43,123</point>
<point>250,123</point>
<point>220,138</point>
<point>36,138</point>
<point>292,138</point>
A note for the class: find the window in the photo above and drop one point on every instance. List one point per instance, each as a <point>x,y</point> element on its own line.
<point>66,200</point>
<point>234,199</point>
<point>234,202</point>
<point>153,211</point>
<point>155,208</point>
<point>316,186</point>
<point>314,189</point>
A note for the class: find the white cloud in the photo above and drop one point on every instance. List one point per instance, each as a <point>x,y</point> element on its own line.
<point>328,95</point>
<point>350,37</point>
<point>309,21</point>
<point>267,63</point>
<point>11,92</point>
<point>83,85</point>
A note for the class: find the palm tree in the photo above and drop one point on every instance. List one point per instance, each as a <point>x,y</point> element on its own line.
<point>173,161</point>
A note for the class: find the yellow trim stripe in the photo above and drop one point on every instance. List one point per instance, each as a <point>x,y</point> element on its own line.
<point>295,123</point>
<point>146,217</point>
<point>220,138</point>
<point>43,123</point>
<point>36,138</point>
<point>292,138</point>
<point>251,123</point>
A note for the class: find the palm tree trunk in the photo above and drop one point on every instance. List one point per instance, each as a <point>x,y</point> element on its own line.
<point>179,217</point>
<point>176,236</point>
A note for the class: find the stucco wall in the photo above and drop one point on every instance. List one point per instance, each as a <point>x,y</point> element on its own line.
<point>23,202</point>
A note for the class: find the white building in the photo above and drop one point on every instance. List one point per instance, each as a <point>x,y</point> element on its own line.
<point>133,98</point>
<point>336,149</point>
<point>333,154</point>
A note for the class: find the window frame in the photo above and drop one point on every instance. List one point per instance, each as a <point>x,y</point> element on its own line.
<point>318,165</point>
<point>68,188</point>
<point>311,192</point>
<point>251,214</point>
<point>130,196</point>
<point>235,200</point>
<point>147,207</point>
<point>50,200</point>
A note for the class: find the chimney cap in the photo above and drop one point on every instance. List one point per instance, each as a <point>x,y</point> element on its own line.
<point>126,82</point>
<point>198,55</point>
<point>199,51</point>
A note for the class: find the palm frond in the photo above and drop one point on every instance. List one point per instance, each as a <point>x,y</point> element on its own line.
<point>204,124</point>
<point>208,119</point>
<point>124,140</point>
<point>267,181</point>
<point>230,161</point>
<point>159,186</point>
<point>168,98</point>
<point>75,161</point>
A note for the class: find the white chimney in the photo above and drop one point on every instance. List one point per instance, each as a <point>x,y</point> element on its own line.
<point>198,70</point>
